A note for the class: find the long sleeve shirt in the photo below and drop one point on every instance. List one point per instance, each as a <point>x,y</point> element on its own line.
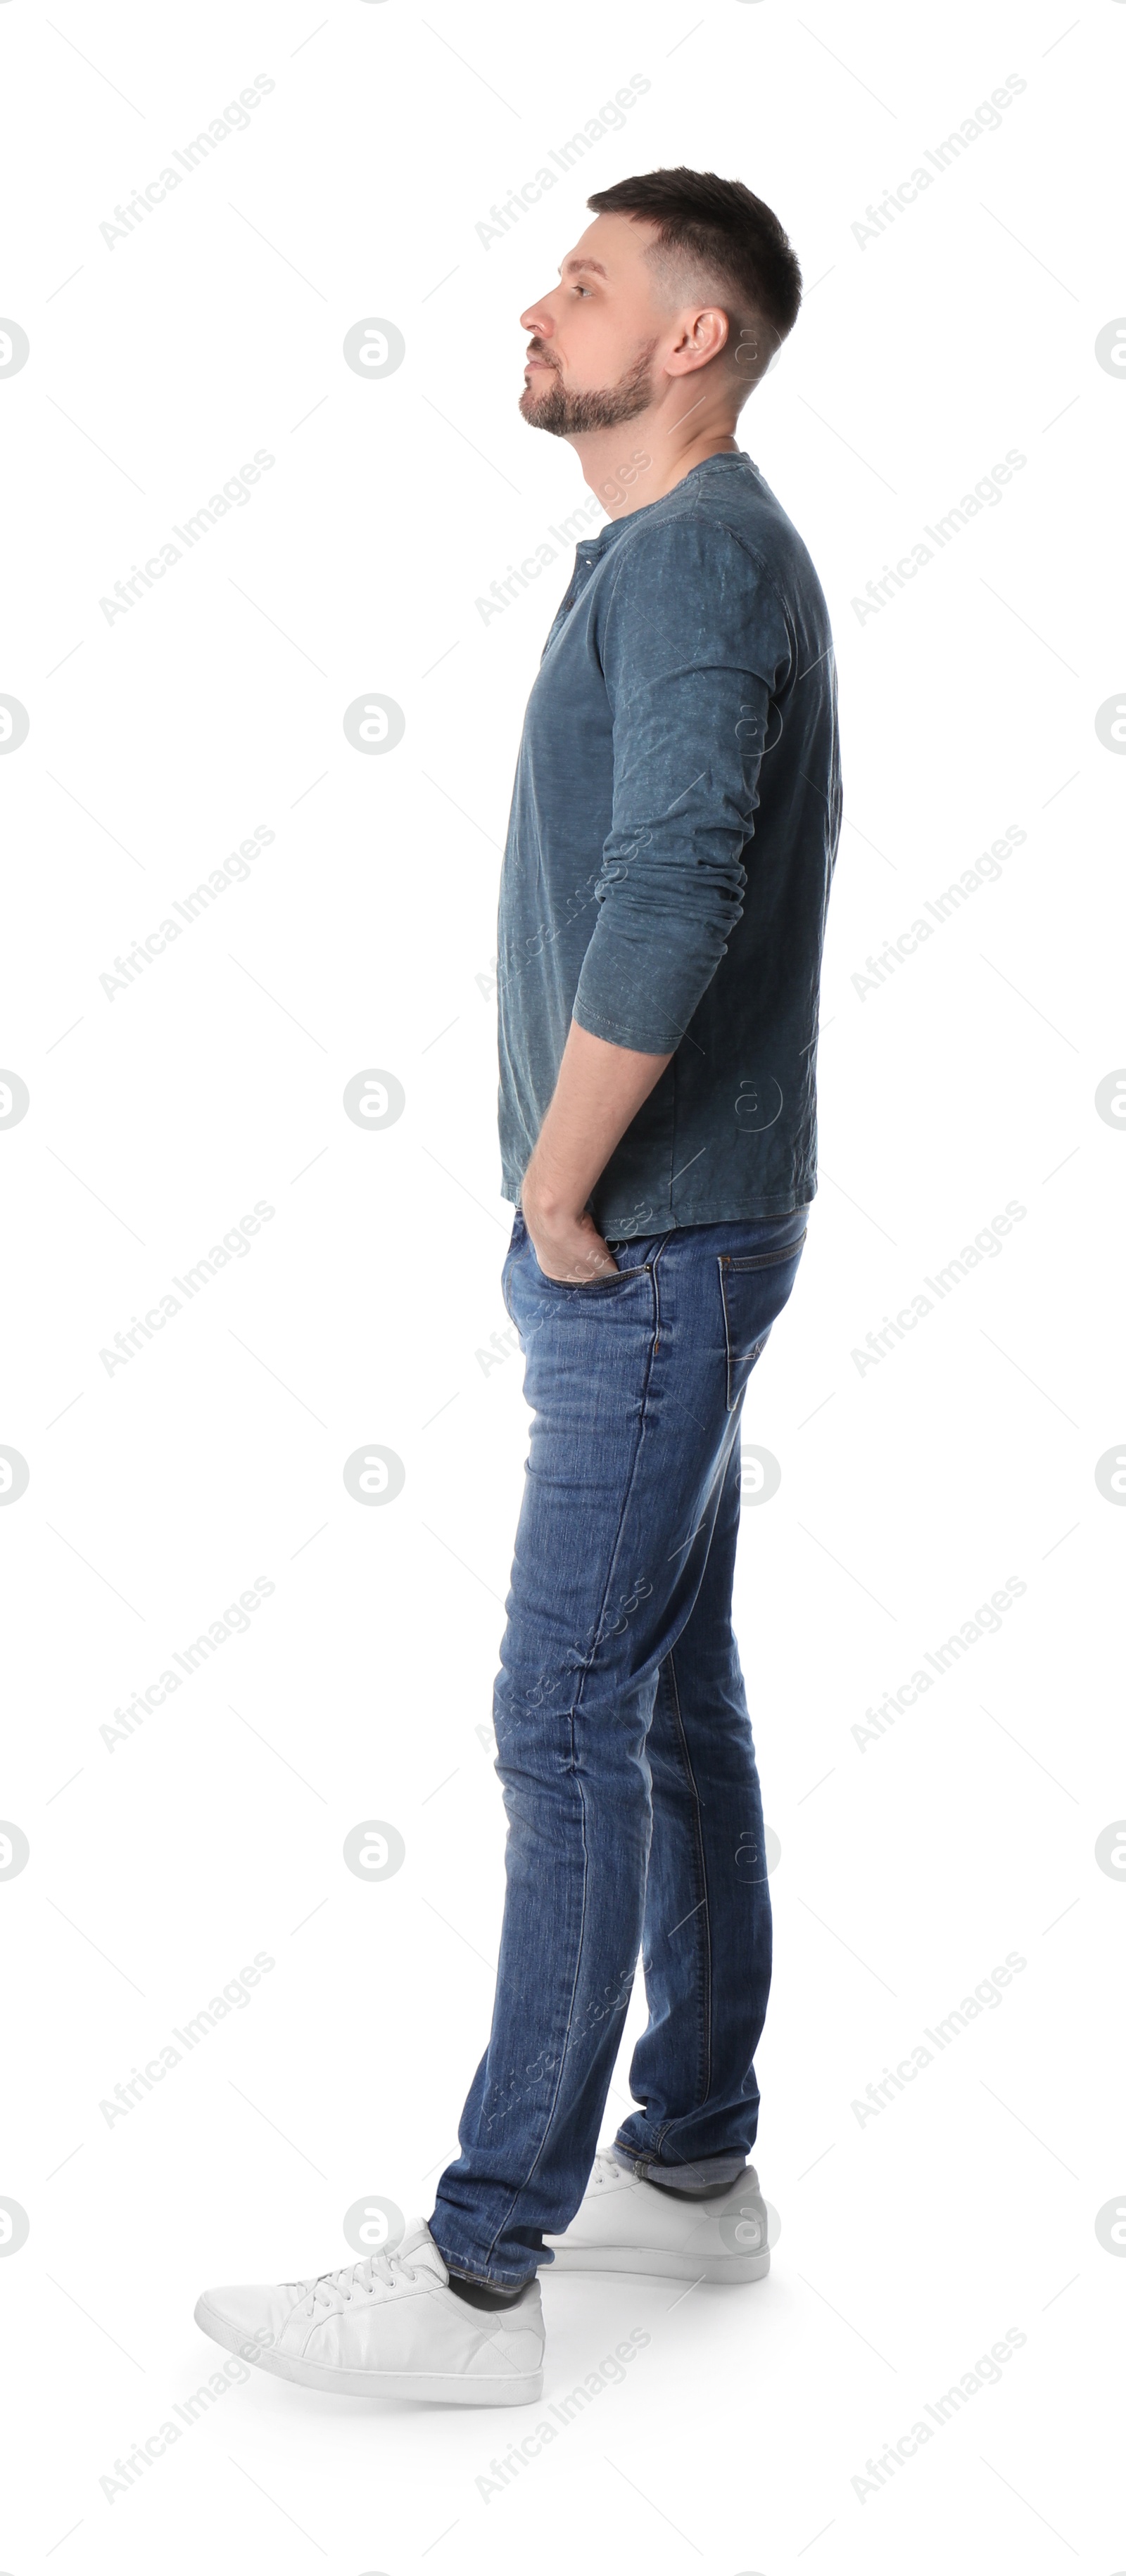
<point>670,848</point>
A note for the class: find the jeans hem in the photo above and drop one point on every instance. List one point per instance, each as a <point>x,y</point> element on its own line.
<point>481,2280</point>
<point>650,2166</point>
<point>487,2280</point>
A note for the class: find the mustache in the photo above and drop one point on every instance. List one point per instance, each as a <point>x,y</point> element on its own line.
<point>537,350</point>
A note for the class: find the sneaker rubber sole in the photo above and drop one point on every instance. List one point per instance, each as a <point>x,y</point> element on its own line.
<point>452,2388</point>
<point>667,2266</point>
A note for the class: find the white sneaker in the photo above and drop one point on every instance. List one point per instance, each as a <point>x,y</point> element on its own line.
<point>625,2225</point>
<point>386,2327</point>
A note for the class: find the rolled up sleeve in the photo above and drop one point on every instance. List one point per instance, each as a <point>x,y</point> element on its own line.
<point>694,645</point>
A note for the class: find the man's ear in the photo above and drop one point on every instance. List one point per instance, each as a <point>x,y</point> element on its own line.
<point>702,339</point>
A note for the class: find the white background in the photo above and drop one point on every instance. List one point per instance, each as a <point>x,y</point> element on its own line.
<point>364,938</point>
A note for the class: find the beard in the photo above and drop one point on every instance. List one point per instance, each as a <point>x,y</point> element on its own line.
<point>565,414</point>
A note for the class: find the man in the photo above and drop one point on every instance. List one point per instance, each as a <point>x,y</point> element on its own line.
<point>671,844</point>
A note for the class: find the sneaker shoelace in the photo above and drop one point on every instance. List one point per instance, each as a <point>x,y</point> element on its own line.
<point>335,2289</point>
<point>606,2169</point>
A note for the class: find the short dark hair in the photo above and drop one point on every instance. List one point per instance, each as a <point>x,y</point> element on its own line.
<point>722,229</point>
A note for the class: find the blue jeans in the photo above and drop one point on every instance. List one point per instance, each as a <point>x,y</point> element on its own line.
<point>624,1742</point>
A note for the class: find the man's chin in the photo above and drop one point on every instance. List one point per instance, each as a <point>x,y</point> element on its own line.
<point>543,410</point>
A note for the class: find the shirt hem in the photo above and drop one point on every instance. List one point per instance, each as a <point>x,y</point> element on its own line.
<point>730,1211</point>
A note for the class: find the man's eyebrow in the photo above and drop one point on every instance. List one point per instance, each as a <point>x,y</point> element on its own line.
<point>571,264</point>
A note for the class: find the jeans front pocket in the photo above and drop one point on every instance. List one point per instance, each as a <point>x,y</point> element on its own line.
<point>753,1287</point>
<point>515,1246</point>
<point>581,1296</point>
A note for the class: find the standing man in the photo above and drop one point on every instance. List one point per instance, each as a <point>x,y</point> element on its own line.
<point>670,849</point>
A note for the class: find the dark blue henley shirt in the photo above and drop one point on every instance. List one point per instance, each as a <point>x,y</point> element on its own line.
<point>670,848</point>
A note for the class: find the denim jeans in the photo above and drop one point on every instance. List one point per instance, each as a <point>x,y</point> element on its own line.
<point>624,1742</point>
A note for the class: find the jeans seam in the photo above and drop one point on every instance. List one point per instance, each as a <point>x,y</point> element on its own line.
<point>521,2187</point>
<point>576,1775</point>
<point>706,1908</point>
<point>612,1558</point>
<point>726,1330</point>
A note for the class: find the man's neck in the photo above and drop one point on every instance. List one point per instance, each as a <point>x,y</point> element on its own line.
<point>641,460</point>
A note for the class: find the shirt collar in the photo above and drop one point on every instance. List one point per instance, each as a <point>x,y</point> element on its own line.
<point>589,548</point>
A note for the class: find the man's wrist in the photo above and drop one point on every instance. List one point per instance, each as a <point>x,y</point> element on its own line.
<point>544,1202</point>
